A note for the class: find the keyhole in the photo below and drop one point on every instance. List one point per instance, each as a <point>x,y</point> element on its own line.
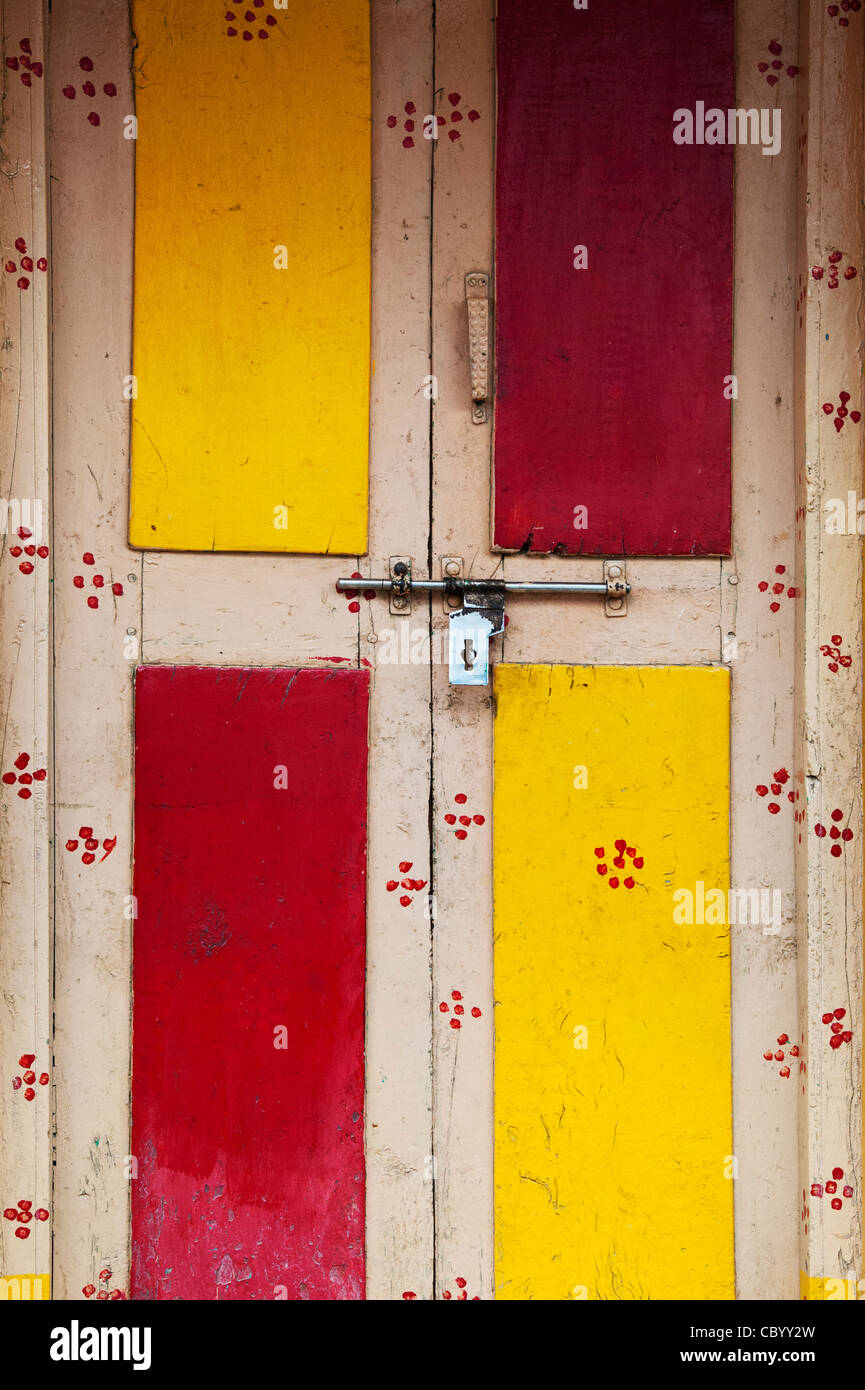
<point>469,654</point>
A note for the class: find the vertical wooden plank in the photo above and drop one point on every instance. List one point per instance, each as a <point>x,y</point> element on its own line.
<point>400,1167</point>
<point>250,830</point>
<point>613,1093</point>
<point>252,265</point>
<point>613,279</point>
<point>757,640</point>
<point>462,719</point>
<point>26,1200</point>
<point>97,640</point>
<point>829,349</point>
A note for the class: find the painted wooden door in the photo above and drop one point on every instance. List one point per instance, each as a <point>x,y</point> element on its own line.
<point>418,1008</point>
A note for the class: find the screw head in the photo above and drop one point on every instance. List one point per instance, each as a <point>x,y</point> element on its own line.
<point>452,567</point>
<point>614,571</point>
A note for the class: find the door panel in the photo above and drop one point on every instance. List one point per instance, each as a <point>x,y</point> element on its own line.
<point>252,278</point>
<point>248,1028</point>
<point>613,1132</point>
<point>613,280</point>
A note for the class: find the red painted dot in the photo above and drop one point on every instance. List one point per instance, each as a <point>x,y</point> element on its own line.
<point>231,32</point>
<point>43,1079</point>
<point>455,1023</point>
<point>93,118</point>
<point>78,581</point>
<point>41,1214</point>
<point>29,1094</point>
<point>444,1008</point>
<point>836,1201</point>
<point>69,92</point>
<point>26,567</point>
<point>26,263</point>
<point>478,820</point>
<point>850,272</point>
<point>8,778</point>
<point>839,1013</point>
<point>779,1056</point>
<point>72,845</point>
<point>271,20</point>
<point>408,125</point>
<point>847,834</point>
<point>629,883</point>
<point>86,64</point>
<point>456,994</point>
<point>23,283</point>
<point>404,901</point>
<point>405,865</point>
<point>783,1039</point>
<point>614,882</point>
<point>773,808</point>
<point>408,143</point>
<point>98,581</point>
<point>602,869</point>
<point>460,834</point>
<point>88,89</point>
<point>117,589</point>
<point>474,115</point>
<point>459,1009</point>
<point>453,135</point>
<point>638,862</point>
<point>465,820</point>
<point>837,814</point>
<point>88,858</point>
<point>22,1232</point>
<point>773,607</point>
<point>476,1013</point>
<point>42,552</point>
<point>820,831</point>
<point>12,63</point>
<point>93,601</point>
<point>836,851</point>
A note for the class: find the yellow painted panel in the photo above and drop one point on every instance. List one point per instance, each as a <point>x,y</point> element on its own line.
<point>613,1145</point>
<point>251,422</point>
<point>25,1288</point>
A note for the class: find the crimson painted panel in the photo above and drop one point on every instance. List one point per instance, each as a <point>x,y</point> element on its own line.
<point>249,957</point>
<point>610,380</point>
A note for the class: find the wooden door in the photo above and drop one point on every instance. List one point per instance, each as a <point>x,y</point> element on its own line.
<point>400,970</point>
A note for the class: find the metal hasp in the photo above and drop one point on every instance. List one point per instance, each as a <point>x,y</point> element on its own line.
<point>470,628</point>
<point>478,307</point>
<point>481,611</point>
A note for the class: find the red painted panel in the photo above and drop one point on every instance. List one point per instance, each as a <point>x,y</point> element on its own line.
<point>610,380</point>
<point>251,919</point>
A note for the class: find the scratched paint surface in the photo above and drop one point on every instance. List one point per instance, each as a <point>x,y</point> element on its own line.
<point>610,378</point>
<point>610,1146</point>
<point>252,380</point>
<point>251,920</point>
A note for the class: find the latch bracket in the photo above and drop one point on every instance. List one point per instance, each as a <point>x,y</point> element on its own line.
<point>478,307</point>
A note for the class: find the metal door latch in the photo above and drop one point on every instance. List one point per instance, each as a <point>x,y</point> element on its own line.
<point>481,611</point>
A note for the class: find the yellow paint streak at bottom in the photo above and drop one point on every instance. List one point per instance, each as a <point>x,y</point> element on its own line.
<point>826,1290</point>
<point>613,1145</point>
<point>25,1287</point>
